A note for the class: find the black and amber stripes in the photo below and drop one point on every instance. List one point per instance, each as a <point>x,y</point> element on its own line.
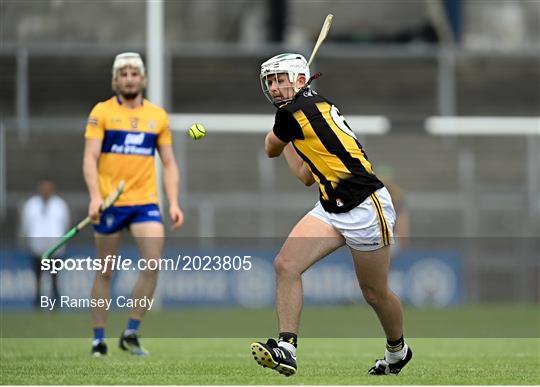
<point>383,226</point>
<point>327,144</point>
<point>351,151</point>
<point>334,153</point>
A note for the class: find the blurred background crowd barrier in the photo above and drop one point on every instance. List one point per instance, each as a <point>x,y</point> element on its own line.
<point>403,62</point>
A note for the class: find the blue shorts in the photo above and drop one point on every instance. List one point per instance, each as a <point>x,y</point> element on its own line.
<point>115,219</point>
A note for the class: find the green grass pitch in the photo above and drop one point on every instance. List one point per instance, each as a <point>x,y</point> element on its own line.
<point>228,361</point>
<point>476,344</point>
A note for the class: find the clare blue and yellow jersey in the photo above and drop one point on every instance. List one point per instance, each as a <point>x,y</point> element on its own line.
<point>129,141</point>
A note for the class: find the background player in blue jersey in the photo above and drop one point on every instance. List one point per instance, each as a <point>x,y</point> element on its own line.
<point>122,136</point>
<point>354,209</point>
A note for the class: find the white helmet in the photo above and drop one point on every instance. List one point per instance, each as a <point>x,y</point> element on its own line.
<point>292,64</point>
<point>131,59</point>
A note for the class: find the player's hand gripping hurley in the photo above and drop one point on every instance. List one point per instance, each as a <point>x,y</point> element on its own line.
<point>109,201</point>
<point>322,35</point>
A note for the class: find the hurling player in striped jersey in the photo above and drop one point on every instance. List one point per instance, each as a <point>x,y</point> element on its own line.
<point>354,209</point>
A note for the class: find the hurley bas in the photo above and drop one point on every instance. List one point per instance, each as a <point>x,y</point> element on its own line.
<point>74,303</point>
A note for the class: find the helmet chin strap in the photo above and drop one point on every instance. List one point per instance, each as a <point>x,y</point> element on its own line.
<point>308,83</point>
<point>312,78</point>
<point>279,103</point>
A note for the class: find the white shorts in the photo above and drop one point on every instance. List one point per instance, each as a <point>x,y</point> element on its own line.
<point>367,227</point>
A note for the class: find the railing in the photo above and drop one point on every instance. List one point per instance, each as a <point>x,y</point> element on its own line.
<point>445,57</point>
<point>466,201</point>
<point>445,86</point>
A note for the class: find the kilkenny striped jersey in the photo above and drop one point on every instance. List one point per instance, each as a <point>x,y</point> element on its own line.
<point>327,144</point>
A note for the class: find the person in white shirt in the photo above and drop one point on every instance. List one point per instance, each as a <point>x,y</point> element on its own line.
<point>44,219</point>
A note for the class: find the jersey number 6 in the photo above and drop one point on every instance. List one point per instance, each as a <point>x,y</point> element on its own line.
<point>340,122</point>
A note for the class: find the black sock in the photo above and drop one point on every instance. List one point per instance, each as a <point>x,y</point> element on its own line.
<point>394,346</point>
<point>289,337</point>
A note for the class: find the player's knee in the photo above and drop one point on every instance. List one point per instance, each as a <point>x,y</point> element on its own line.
<point>284,266</point>
<point>374,296</point>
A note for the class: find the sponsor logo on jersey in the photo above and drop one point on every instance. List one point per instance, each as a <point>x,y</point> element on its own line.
<point>134,139</point>
<point>122,142</point>
<point>132,150</point>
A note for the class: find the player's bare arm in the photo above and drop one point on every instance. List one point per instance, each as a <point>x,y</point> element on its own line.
<point>298,166</point>
<point>273,146</point>
<point>92,150</point>
<point>171,180</point>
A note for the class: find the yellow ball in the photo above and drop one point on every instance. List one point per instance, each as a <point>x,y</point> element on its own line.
<point>197,131</point>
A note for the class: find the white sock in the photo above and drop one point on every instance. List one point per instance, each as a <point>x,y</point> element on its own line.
<point>97,341</point>
<point>394,357</point>
<point>288,346</point>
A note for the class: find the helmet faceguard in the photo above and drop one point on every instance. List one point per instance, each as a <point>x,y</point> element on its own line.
<point>293,65</point>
